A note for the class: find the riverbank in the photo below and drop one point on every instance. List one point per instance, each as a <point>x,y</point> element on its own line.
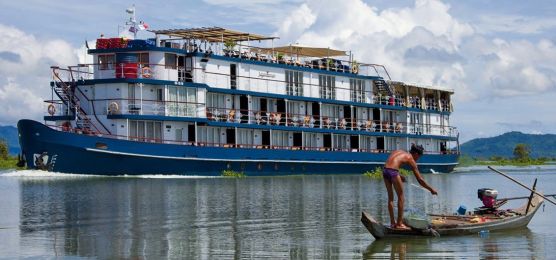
<point>465,161</point>
<point>10,163</point>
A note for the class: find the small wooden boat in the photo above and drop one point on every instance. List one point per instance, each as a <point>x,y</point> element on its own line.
<point>461,224</point>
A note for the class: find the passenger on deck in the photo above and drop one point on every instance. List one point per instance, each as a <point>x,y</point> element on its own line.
<point>369,126</point>
<point>398,128</point>
<point>306,120</point>
<point>231,115</point>
<point>385,126</point>
<point>393,178</point>
<point>343,123</point>
<point>327,122</point>
<point>277,118</point>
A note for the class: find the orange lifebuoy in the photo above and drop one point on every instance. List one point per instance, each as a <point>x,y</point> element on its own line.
<point>146,72</point>
<point>51,109</point>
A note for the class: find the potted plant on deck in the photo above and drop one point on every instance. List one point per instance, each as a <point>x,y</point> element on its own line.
<point>280,57</point>
<point>229,46</point>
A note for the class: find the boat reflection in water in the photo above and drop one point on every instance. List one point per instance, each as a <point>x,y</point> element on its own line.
<point>502,244</point>
<point>192,218</point>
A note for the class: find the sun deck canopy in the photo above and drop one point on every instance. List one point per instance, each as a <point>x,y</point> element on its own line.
<point>213,34</point>
<point>305,51</point>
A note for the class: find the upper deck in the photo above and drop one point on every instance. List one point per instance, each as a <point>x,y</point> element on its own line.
<point>225,59</point>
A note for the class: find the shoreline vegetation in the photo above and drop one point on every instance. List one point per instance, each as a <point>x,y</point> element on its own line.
<point>232,174</point>
<point>6,161</point>
<point>9,163</point>
<point>377,173</point>
<point>521,157</point>
<point>466,161</point>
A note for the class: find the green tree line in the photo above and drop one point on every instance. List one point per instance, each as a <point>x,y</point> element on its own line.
<point>521,157</point>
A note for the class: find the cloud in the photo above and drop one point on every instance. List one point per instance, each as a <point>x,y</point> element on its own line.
<point>421,54</point>
<point>251,12</point>
<point>425,44</point>
<point>496,23</point>
<point>511,68</point>
<point>25,73</point>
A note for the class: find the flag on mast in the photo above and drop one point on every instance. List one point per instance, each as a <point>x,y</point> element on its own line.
<point>143,26</point>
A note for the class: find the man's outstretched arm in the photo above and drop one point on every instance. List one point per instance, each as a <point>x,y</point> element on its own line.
<point>419,178</point>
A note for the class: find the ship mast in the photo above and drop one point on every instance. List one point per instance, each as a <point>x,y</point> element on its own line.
<point>132,23</point>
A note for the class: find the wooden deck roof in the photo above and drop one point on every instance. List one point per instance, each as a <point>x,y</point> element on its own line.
<point>213,34</point>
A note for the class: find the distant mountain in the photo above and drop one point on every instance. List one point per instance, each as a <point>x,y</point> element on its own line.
<point>503,145</point>
<point>9,133</point>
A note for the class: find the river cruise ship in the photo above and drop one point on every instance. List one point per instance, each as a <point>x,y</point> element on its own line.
<point>199,101</point>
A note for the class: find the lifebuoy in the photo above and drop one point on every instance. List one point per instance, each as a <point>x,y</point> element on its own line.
<point>51,109</point>
<point>146,72</point>
<point>113,108</point>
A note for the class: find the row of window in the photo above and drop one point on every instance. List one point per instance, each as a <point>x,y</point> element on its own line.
<point>246,138</point>
<point>149,131</point>
<point>327,86</point>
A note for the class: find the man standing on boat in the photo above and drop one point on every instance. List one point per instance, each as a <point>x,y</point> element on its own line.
<point>392,177</point>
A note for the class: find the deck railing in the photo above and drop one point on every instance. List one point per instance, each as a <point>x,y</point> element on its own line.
<point>259,117</point>
<point>120,106</point>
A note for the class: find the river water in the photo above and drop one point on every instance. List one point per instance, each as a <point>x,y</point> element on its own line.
<point>316,217</point>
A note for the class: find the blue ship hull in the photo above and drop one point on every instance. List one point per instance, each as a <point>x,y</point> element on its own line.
<point>46,148</point>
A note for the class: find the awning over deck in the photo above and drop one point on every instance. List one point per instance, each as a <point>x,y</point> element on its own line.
<point>305,51</point>
<point>213,34</point>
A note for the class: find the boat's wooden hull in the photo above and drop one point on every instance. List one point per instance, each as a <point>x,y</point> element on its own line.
<point>457,225</point>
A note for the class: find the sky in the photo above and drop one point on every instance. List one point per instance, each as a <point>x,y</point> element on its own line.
<point>498,56</point>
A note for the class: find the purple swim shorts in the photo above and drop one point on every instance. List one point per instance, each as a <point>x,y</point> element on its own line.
<point>390,174</point>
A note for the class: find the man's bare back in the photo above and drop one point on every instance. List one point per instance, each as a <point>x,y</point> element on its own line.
<point>397,158</point>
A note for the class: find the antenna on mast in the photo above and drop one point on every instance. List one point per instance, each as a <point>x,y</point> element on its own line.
<point>132,23</point>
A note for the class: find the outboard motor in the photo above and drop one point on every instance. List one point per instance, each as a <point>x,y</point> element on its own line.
<point>487,196</point>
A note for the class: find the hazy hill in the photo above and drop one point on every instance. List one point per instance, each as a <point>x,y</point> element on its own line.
<point>9,133</point>
<point>503,145</point>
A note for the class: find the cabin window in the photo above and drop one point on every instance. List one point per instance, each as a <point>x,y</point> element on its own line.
<point>294,83</point>
<point>281,139</point>
<point>331,112</point>
<point>216,102</point>
<point>143,58</point>
<point>106,62</point>
<point>357,89</point>
<point>146,131</point>
<point>170,61</point>
<point>327,87</point>
<point>340,142</point>
<point>159,94</point>
<point>245,137</point>
<point>310,141</point>
<point>132,99</point>
<point>211,136</point>
<point>181,101</point>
